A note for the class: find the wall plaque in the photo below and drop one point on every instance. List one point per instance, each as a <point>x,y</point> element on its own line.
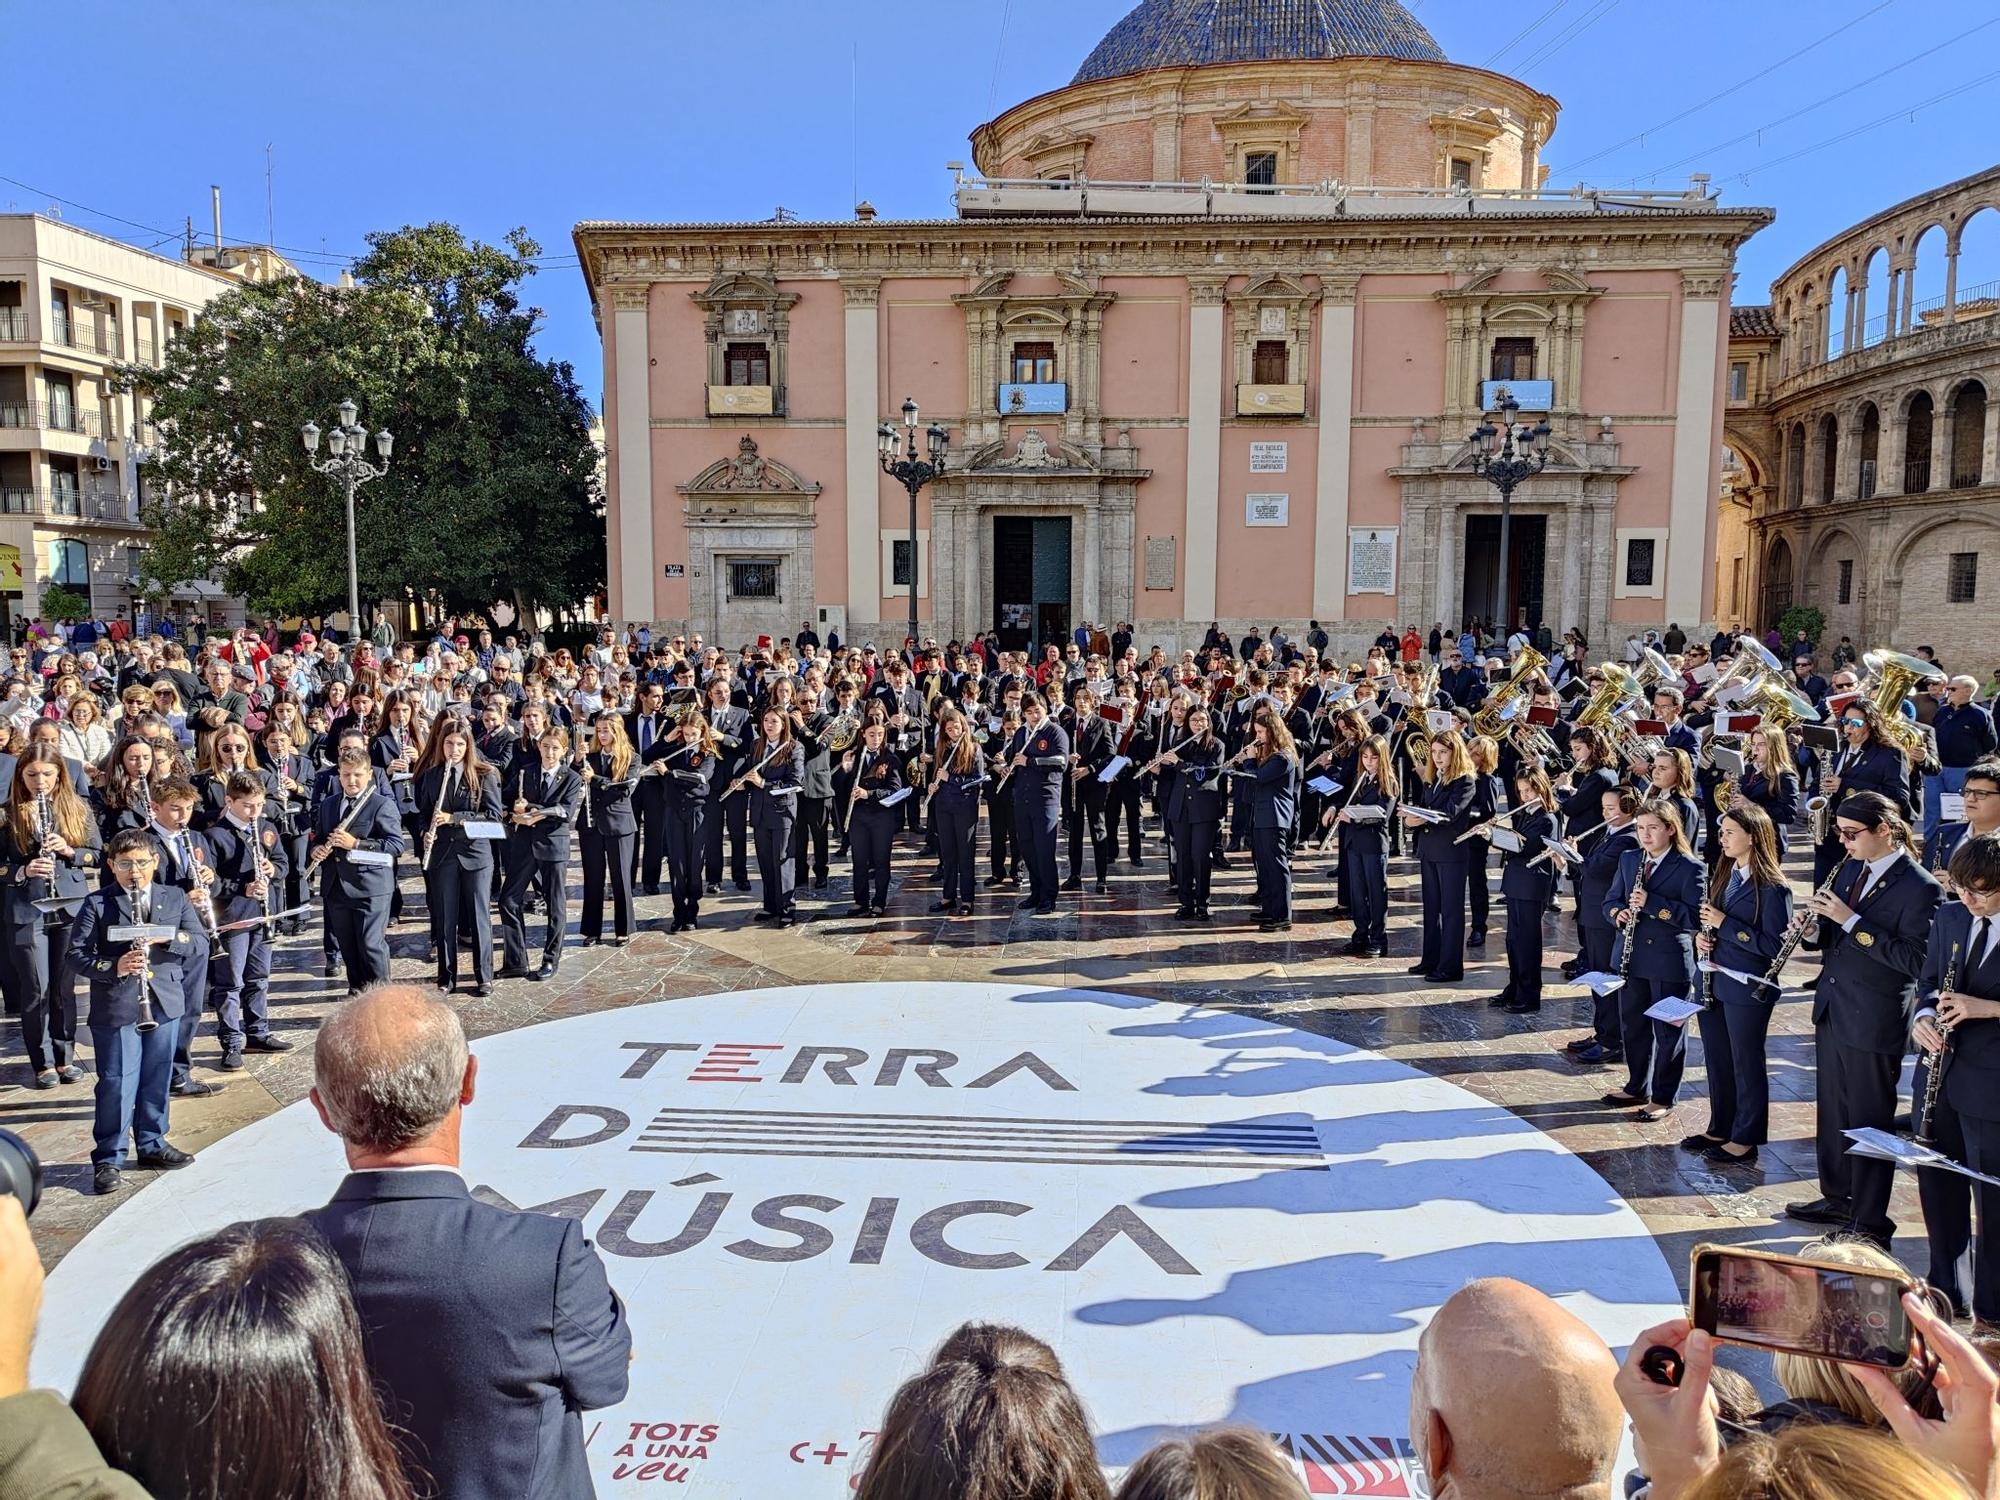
<point>1371,559</point>
<point>1269,458</point>
<point>1159,562</point>
<point>1267,510</point>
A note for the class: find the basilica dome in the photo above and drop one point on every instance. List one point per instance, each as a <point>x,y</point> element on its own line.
<point>1192,33</point>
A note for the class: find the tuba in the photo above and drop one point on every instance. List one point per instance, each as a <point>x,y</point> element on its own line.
<point>1891,676</point>
<point>1496,715</point>
<point>1417,731</point>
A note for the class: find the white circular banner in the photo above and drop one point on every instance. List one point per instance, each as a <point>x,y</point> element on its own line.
<point>799,1192</point>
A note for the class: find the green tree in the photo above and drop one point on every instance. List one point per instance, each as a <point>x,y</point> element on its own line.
<point>66,605</point>
<point>492,492</point>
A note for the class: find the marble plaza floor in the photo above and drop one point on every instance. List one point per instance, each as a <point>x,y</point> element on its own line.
<point>1125,941</point>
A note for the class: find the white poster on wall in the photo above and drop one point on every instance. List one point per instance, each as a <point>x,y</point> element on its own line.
<point>1269,458</point>
<point>1267,510</point>
<point>1371,559</point>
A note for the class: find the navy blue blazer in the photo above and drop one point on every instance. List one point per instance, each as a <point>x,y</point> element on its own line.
<point>377,826</point>
<point>1972,1078</point>
<point>1437,842</point>
<point>775,803</point>
<point>1875,768</point>
<point>1781,800</point>
<point>1666,926</point>
<point>488,1333</point>
<point>1040,780</point>
<point>1869,975</point>
<point>561,788</point>
<point>1749,941</point>
<point>1599,872</point>
<point>452,841</point>
<point>1274,792</point>
<point>1198,792</point>
<point>1583,805</point>
<point>1520,880</point>
<point>114,998</point>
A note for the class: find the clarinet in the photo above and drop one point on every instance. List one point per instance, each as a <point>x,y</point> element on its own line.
<point>1800,925</point>
<point>325,851</point>
<point>142,909</point>
<point>1632,927</point>
<point>439,818</point>
<point>1934,1080</point>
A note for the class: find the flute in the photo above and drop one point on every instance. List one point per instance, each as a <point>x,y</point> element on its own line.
<point>439,818</point>
<point>742,781</point>
<point>1560,846</point>
<point>1480,830</point>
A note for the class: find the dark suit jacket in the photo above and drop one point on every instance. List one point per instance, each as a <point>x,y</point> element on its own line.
<point>377,826</point>
<point>1749,941</point>
<point>1869,975</point>
<point>1972,1077</point>
<point>114,1000</point>
<point>488,1332</point>
<point>1665,930</point>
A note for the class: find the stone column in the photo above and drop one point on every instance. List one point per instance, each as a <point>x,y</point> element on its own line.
<point>1694,461</point>
<point>1951,285</point>
<point>1909,296</point>
<point>631,540</point>
<point>1336,433</point>
<point>1989,441</point>
<point>1204,481</point>
<point>1940,446</point>
<point>863,470</point>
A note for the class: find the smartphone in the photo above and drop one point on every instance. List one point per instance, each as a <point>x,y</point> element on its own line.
<point>1793,1305</point>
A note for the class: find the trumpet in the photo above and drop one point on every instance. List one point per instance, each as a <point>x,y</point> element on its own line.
<point>1800,925</point>
<point>1926,1117</point>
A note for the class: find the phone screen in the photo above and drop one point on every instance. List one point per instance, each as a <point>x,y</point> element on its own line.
<point>1831,1312</point>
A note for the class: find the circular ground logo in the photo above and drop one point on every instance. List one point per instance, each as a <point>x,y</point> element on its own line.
<point>800,1191</point>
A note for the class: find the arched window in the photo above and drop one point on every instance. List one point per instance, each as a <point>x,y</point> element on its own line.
<point>1869,446</point>
<point>1968,433</point>
<point>1795,467</point>
<point>1836,314</point>
<point>1978,283</point>
<point>1777,581</point>
<point>1829,457</point>
<point>1917,444</point>
<point>1927,276</point>
<point>1877,305</point>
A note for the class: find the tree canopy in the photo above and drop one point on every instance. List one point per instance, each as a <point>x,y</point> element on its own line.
<point>492,492</point>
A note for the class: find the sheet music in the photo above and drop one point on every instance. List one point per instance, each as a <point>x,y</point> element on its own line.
<point>1113,766</point>
<point>1674,1010</point>
<point>890,799</point>
<point>1600,983</point>
<point>1326,786</point>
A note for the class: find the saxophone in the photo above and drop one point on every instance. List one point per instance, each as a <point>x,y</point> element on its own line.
<point>1926,1117</point>
<point>1801,924</point>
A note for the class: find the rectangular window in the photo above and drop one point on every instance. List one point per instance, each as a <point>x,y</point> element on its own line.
<point>746,364</point>
<point>1639,563</point>
<point>1962,583</point>
<point>753,579</point>
<point>1845,590</point>
<point>1739,381</point>
<point>1270,362</point>
<point>1260,168</point>
<point>1034,364</point>
<point>900,557</point>
<point>1461,172</point>
<point>69,565</point>
<point>1513,359</point>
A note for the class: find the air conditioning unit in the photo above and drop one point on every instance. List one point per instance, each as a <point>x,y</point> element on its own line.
<point>102,464</point>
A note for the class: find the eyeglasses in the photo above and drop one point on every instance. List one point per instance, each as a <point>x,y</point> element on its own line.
<point>1854,723</point>
<point>133,866</point>
<point>1972,796</point>
<point>1849,835</point>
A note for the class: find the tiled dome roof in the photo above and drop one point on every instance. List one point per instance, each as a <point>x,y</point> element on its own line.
<point>1188,33</point>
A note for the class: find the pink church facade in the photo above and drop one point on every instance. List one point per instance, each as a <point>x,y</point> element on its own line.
<point>1208,340</point>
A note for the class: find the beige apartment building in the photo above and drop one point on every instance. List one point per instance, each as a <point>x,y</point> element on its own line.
<point>73,453</point>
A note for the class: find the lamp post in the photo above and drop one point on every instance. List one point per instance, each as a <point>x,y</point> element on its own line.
<point>912,473</point>
<point>1503,454</point>
<point>347,443</point>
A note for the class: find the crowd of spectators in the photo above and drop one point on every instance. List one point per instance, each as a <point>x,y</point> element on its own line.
<point>407,1341</point>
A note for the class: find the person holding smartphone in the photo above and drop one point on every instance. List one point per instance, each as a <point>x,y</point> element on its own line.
<point>1965,1120</point>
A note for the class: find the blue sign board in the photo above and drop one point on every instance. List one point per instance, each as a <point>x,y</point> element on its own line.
<point>1534,395</point>
<point>1049,396</point>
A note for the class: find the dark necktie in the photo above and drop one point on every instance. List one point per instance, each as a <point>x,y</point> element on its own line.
<point>645,734</point>
<point>1735,885</point>
<point>1977,956</point>
<point>1860,887</point>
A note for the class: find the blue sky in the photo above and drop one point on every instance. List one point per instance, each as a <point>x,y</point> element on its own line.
<point>492,113</point>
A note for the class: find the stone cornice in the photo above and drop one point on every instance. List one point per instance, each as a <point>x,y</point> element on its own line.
<point>860,254</point>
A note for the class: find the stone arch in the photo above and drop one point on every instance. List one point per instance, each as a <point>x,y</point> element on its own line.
<point>1961,524</point>
<point>1836,566</point>
<point>1929,257</point>
<point>1867,424</point>
<point>1754,456</point>
<point>1875,307</point>
<point>1835,342</point>
<point>1919,412</point>
<point>1829,458</point>
<point>1965,433</point>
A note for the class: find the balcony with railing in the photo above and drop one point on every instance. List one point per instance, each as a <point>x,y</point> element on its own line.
<point>14,326</point>
<point>93,338</point>
<point>62,502</point>
<point>54,416</point>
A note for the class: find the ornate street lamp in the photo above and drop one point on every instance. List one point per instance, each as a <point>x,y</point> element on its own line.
<point>1504,454</point>
<point>913,473</point>
<point>347,442</point>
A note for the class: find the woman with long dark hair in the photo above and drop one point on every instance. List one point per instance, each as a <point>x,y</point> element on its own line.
<point>165,1395</point>
<point>124,799</point>
<point>775,771</point>
<point>1364,856</point>
<point>690,762</point>
<point>455,786</point>
<point>961,773</point>
<point>1274,796</point>
<point>48,847</point>
<point>1197,795</point>
<point>1743,922</point>
<point>1526,884</point>
<point>1656,899</point>
<point>873,774</point>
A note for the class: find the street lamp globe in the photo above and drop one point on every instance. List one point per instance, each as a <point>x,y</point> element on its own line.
<point>336,442</point>
<point>935,436</point>
<point>910,412</point>
<point>309,435</point>
<point>348,412</point>
<point>885,440</point>
<point>384,441</point>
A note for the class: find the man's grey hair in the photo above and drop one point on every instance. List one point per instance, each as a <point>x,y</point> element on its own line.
<point>1965,680</point>
<point>389,1066</point>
